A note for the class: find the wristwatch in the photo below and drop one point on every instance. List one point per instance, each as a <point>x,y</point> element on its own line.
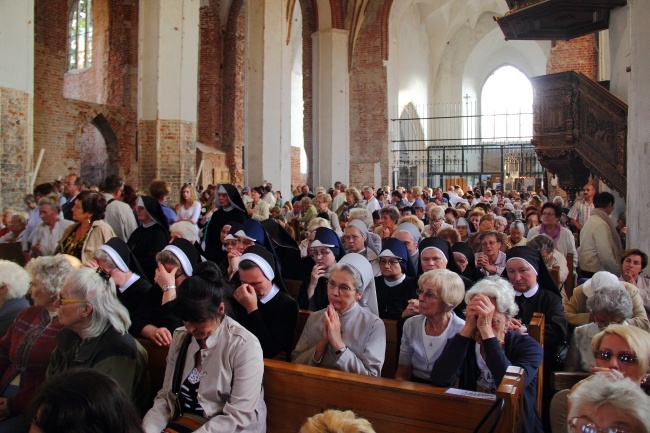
<point>165,288</point>
<point>341,350</point>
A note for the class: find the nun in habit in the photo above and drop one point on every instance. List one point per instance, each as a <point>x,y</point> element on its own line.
<point>151,237</point>
<point>263,305</point>
<point>397,283</point>
<point>230,207</point>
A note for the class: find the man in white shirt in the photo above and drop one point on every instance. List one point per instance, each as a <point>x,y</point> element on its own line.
<point>119,215</point>
<point>371,202</point>
<point>339,199</point>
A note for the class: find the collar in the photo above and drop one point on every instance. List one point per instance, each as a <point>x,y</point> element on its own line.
<point>351,311</point>
<point>530,293</point>
<point>128,283</point>
<point>274,291</point>
<point>152,223</point>
<point>396,282</point>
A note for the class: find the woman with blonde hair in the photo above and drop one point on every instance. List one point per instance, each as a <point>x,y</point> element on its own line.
<point>336,421</point>
<point>189,208</point>
<point>353,200</point>
<point>322,203</point>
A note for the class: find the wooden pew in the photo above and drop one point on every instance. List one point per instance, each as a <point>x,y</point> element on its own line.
<point>157,361</point>
<point>555,274</point>
<point>295,392</point>
<point>536,331</point>
<point>390,360</point>
<point>293,287</point>
<point>570,282</point>
<point>566,379</point>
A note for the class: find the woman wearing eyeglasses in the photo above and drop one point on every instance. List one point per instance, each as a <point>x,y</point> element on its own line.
<point>425,335</point>
<point>608,305</point>
<point>344,335</point>
<point>397,282</point>
<point>26,348</point>
<point>326,250</point>
<point>95,334</point>
<point>479,355</point>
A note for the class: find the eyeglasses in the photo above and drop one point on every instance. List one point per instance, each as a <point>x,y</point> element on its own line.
<point>392,262</point>
<point>428,295</point>
<point>584,425</point>
<point>625,358</point>
<point>63,301</point>
<point>331,285</point>
<point>320,253</point>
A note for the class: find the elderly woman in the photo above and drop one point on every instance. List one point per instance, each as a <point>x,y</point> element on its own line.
<point>479,355</point>
<point>633,261</point>
<point>410,235</point>
<point>222,373</point>
<point>15,229</point>
<point>322,204</point>
<point>26,347</point>
<point>500,224</point>
<point>449,234</point>
<point>491,260</point>
<point>552,257</point>
<point>326,250</point>
<point>257,208</point>
<point>463,227</point>
<point>388,215</point>
<point>516,237</point>
<point>424,336</point>
<point>151,237</point>
<point>14,282</point>
<point>551,226</point>
<point>90,231</point>
<point>336,421</point>
<point>344,336</point>
<point>608,305</point>
<point>436,221</point>
<point>605,405</point>
<point>46,235</point>
<point>353,200</point>
<point>155,319</point>
<point>357,240</point>
<point>311,232</point>
<point>95,334</point>
<point>576,307</point>
<point>263,305</point>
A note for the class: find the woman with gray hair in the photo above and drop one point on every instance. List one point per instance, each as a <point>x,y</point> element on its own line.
<point>516,237</point>
<point>388,215</point>
<point>345,336</point>
<point>608,305</point>
<point>480,354</point>
<point>95,334</point>
<point>552,257</point>
<point>601,404</point>
<point>26,348</point>
<point>14,282</point>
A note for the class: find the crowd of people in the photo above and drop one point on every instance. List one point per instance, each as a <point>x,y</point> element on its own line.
<point>461,271</point>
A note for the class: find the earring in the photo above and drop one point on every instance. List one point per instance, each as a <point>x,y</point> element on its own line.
<point>89,221</point>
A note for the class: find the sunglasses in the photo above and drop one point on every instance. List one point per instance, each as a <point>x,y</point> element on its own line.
<point>607,355</point>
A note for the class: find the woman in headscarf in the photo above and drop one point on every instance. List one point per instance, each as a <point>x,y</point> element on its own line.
<point>228,244</point>
<point>262,304</point>
<point>230,207</point>
<point>356,241</point>
<point>344,335</point>
<point>155,319</point>
<point>151,237</point>
<point>115,258</point>
<point>396,285</point>
<point>464,256</point>
<point>251,233</point>
<point>410,235</point>
<point>326,250</point>
<point>286,250</point>
<point>464,228</point>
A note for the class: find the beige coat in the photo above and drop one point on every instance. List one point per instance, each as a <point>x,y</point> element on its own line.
<point>98,235</point>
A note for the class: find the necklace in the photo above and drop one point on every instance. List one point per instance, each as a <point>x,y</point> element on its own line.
<point>436,331</point>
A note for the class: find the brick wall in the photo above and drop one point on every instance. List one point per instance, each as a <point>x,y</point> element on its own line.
<point>368,100</point>
<point>308,28</point>
<point>210,74</point>
<point>578,54</point>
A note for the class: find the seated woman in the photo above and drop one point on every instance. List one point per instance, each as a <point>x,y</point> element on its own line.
<point>344,336</point>
<point>322,203</point>
<point>252,232</point>
<point>14,283</point>
<point>464,256</point>
<point>397,283</point>
<point>326,250</point>
<point>67,403</point>
<point>151,237</point>
<point>95,334</point>
<point>310,231</point>
<point>479,355</point>
<point>263,305</point>
<point>576,307</point>
<point>552,257</point>
<point>26,347</point>
<point>603,404</point>
<point>90,231</point>
<point>388,215</point>
<point>562,237</point>
<point>155,319</point>
<point>633,262</point>
<point>516,237</point>
<point>464,228</point>
<point>357,240</point>
<point>608,305</point>
<point>222,375</point>
<point>425,335</point>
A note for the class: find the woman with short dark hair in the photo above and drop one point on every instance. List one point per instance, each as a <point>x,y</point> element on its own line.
<point>633,262</point>
<point>222,378</point>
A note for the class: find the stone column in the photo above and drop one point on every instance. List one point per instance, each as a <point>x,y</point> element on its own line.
<point>331,107</point>
<point>267,135</point>
<point>16,100</point>
<point>167,92</point>
<point>638,145</point>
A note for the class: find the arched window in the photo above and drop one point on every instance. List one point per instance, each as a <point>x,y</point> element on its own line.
<point>80,35</point>
<point>507,106</point>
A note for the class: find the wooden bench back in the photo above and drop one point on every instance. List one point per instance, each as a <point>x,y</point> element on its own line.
<point>570,282</point>
<point>295,392</point>
<point>536,331</point>
<point>157,362</point>
<point>293,287</point>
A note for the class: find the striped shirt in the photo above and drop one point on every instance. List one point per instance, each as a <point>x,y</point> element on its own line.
<point>581,211</point>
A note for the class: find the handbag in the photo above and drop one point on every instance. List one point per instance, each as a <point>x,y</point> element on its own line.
<point>182,423</point>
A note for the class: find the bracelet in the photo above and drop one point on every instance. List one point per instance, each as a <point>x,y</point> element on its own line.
<point>341,350</point>
<point>165,288</point>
